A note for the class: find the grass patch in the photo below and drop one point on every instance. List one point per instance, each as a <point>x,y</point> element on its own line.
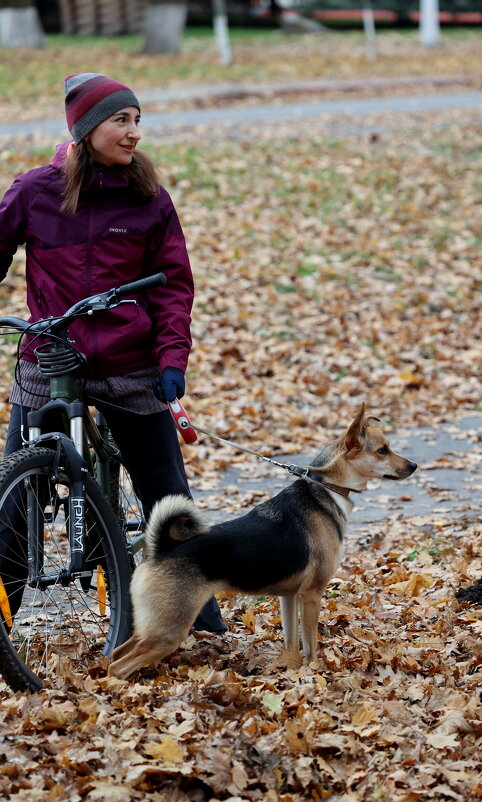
<point>259,55</point>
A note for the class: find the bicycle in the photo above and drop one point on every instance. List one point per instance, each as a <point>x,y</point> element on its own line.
<point>72,523</point>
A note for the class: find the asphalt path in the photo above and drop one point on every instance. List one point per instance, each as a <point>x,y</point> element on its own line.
<point>282,112</point>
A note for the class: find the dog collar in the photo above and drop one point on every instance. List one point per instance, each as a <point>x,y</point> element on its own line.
<point>342,491</point>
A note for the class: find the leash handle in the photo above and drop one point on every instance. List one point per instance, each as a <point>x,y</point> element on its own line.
<point>181,419</point>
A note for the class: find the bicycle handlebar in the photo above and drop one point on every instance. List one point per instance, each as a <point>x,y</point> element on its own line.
<point>94,303</point>
<point>141,285</point>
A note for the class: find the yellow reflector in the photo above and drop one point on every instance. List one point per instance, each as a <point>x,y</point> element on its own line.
<point>101,590</point>
<point>5,605</point>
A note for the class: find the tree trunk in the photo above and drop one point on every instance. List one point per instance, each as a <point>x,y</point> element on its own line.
<point>429,22</point>
<point>221,32</point>
<point>164,24</point>
<point>20,24</point>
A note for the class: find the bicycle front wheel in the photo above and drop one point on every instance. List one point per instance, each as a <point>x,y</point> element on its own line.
<point>56,627</point>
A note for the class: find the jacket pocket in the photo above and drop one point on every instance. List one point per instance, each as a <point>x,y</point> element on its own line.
<point>124,330</point>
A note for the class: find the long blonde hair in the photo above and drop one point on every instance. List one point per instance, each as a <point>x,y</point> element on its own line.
<point>140,176</point>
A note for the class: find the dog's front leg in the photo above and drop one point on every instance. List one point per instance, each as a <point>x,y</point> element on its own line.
<point>289,620</point>
<point>310,612</point>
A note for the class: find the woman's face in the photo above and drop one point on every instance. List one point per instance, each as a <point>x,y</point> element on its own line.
<point>114,140</point>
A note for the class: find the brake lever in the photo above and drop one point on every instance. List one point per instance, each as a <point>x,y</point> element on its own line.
<point>112,304</point>
<point>103,304</point>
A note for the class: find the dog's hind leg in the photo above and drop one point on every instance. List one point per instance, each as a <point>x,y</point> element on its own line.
<point>163,617</point>
<point>310,612</point>
<point>124,648</point>
<point>147,651</point>
<point>289,619</point>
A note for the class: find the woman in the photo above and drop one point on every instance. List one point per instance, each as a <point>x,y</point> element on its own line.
<point>94,218</point>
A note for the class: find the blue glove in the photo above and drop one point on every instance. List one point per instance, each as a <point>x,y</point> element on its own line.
<point>171,385</point>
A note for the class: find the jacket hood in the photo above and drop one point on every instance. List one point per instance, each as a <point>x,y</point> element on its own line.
<point>58,160</point>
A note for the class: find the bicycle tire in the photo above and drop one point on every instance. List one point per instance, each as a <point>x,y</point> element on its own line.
<point>63,628</point>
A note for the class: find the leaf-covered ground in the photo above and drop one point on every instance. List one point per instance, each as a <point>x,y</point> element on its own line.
<point>328,271</point>
<point>389,711</point>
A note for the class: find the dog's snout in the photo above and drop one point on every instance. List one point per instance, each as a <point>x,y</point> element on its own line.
<point>404,469</point>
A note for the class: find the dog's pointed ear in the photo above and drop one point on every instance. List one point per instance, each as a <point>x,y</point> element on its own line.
<point>353,436</point>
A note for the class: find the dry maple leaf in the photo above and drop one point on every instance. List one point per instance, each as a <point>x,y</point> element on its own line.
<point>413,586</point>
<point>249,620</point>
<point>454,721</point>
<point>168,750</point>
<point>107,790</point>
<point>443,741</point>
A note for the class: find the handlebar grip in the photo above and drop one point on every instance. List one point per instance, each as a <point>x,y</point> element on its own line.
<point>141,285</point>
<point>14,323</point>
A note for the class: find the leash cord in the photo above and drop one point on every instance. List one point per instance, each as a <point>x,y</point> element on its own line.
<point>295,470</point>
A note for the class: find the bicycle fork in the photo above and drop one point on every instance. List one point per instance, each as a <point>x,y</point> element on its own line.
<point>67,458</point>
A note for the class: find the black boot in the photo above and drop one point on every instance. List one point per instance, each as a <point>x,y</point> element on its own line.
<point>209,619</point>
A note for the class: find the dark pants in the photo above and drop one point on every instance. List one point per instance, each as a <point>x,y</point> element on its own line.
<point>151,453</point>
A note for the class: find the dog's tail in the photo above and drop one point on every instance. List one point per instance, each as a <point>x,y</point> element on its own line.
<point>174,518</point>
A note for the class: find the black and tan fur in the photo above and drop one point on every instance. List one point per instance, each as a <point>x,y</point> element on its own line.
<point>289,546</point>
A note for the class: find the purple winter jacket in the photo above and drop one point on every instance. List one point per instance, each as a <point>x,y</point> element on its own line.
<point>109,241</point>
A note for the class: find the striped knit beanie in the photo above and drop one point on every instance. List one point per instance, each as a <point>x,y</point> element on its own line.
<point>90,98</point>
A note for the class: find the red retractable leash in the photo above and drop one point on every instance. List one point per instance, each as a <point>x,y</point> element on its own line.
<point>181,419</point>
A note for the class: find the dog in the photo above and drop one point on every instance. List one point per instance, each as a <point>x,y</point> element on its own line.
<point>289,546</point>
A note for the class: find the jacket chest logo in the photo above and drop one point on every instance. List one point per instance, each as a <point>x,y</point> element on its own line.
<point>118,230</point>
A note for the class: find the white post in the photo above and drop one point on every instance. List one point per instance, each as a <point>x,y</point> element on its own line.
<point>20,27</point>
<point>221,32</point>
<point>369,28</point>
<point>429,22</point>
